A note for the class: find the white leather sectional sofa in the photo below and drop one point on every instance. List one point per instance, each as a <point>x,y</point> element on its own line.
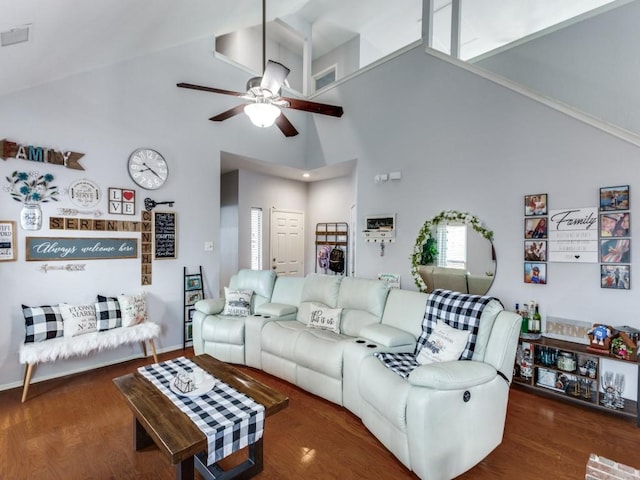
<point>439,421</point>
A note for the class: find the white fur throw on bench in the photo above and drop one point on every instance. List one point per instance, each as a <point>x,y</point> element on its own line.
<point>65,347</point>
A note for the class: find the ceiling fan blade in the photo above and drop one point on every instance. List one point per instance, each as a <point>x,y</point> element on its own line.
<point>274,76</point>
<point>314,107</point>
<point>286,126</point>
<point>228,114</point>
<point>210,89</point>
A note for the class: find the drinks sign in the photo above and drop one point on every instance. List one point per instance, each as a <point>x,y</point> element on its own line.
<point>573,235</point>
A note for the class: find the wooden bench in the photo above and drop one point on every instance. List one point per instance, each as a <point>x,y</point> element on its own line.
<point>64,347</point>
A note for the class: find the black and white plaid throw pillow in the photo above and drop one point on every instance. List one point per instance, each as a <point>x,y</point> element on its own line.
<point>458,310</point>
<point>108,313</point>
<point>42,323</point>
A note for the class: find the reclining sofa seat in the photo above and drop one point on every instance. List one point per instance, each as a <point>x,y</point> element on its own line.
<point>313,358</point>
<point>398,331</point>
<point>445,417</point>
<point>223,336</point>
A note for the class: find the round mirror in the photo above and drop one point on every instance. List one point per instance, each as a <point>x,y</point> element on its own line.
<point>454,251</point>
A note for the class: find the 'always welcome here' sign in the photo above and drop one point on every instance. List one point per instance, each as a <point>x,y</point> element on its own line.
<point>64,248</point>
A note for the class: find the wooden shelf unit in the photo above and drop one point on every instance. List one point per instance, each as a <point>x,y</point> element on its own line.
<point>569,392</point>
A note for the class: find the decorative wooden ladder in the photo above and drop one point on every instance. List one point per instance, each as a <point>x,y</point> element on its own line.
<point>193,292</point>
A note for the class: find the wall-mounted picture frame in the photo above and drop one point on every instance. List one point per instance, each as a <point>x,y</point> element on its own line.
<point>615,224</point>
<point>614,198</point>
<point>535,272</point>
<point>190,298</point>
<point>122,201</point>
<point>192,282</point>
<point>164,235</point>
<point>8,248</point>
<point>615,276</point>
<point>615,250</point>
<point>188,332</point>
<point>535,204</point>
<point>190,313</point>
<point>535,227</point>
<point>535,250</point>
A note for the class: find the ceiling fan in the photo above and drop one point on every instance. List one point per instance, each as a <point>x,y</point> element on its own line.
<point>263,96</point>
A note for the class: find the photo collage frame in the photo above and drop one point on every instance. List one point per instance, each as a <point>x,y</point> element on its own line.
<point>536,224</point>
<point>615,237</point>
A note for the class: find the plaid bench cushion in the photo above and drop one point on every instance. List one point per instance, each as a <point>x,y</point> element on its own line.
<point>458,310</point>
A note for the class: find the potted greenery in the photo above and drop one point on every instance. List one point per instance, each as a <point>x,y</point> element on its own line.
<point>429,251</point>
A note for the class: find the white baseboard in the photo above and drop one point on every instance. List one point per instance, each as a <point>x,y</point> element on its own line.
<point>8,386</point>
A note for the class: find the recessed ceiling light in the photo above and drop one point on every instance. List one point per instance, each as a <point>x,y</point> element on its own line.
<point>306,175</point>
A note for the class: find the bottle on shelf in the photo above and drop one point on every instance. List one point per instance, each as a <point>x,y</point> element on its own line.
<point>537,320</point>
<point>525,318</point>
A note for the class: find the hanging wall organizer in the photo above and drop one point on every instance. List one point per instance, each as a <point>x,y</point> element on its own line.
<point>332,248</point>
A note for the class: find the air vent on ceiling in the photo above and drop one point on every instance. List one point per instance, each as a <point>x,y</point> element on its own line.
<point>13,36</point>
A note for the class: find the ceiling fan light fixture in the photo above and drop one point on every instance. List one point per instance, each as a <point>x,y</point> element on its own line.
<point>262,115</point>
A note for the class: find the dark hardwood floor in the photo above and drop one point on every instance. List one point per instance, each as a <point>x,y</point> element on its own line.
<point>79,427</point>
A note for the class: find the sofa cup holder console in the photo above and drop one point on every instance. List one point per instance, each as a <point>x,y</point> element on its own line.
<point>368,345</point>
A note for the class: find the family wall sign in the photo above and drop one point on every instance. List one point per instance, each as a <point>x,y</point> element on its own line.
<point>35,153</point>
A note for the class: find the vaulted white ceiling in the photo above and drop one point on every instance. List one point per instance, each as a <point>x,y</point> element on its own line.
<point>71,36</point>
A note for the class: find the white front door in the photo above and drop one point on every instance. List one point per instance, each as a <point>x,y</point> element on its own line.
<point>287,242</point>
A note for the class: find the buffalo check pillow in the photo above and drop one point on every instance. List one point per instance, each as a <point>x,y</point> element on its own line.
<point>108,313</point>
<point>458,310</point>
<point>42,323</point>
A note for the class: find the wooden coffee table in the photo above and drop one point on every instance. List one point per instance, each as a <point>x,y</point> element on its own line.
<point>157,420</point>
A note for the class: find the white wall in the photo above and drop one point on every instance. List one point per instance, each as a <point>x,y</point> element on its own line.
<point>245,48</point>
<point>592,65</point>
<point>106,114</point>
<point>229,228</point>
<point>266,192</point>
<point>329,201</point>
<point>466,143</point>
<point>346,57</point>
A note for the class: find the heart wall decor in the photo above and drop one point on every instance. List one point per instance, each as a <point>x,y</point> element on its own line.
<point>122,201</point>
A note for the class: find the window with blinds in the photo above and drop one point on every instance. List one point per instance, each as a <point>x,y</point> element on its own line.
<point>452,246</point>
<point>256,238</point>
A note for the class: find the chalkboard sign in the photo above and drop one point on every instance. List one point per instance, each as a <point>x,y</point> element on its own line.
<point>164,235</point>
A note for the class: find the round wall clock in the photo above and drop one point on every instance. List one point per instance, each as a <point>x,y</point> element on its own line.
<point>147,168</point>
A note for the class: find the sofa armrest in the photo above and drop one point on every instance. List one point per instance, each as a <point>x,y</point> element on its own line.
<point>210,306</point>
<point>453,375</point>
<point>387,336</point>
<point>276,309</point>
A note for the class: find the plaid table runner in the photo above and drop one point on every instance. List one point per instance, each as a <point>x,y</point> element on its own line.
<point>229,419</point>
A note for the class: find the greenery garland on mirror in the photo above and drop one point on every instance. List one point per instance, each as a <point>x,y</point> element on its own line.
<point>425,237</point>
